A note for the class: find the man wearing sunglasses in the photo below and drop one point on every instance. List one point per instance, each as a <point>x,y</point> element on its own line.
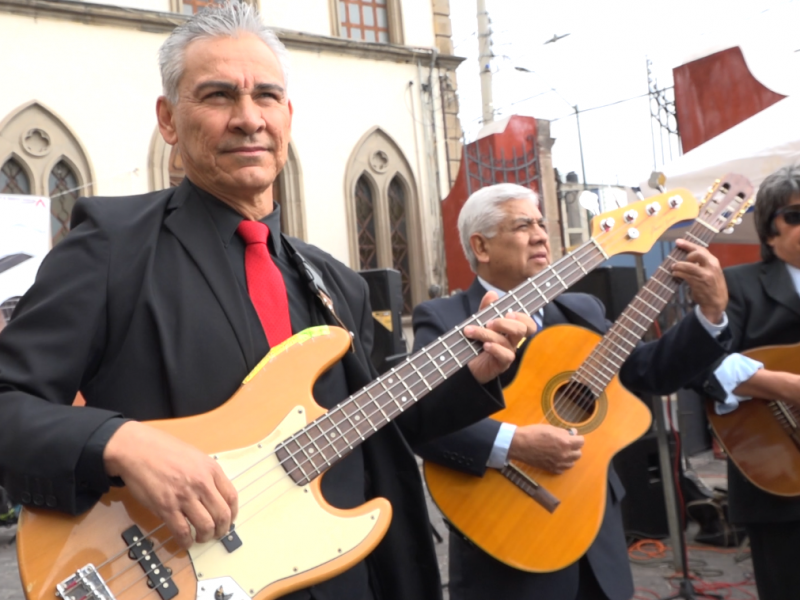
<point>764,310</point>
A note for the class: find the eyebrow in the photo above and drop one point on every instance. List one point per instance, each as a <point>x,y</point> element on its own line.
<point>528,221</point>
<point>232,87</point>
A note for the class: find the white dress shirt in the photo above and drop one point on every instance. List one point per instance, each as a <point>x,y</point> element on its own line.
<point>737,368</point>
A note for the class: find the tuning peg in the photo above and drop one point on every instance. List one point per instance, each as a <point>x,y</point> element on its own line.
<point>729,230</point>
<point>653,208</point>
<point>675,201</point>
<point>711,191</point>
<point>607,224</point>
<point>633,233</point>
<point>630,216</point>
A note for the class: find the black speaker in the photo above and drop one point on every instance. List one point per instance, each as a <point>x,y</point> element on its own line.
<point>644,512</point>
<point>386,298</point>
<point>615,286</point>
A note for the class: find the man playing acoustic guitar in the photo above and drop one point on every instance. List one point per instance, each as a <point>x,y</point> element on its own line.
<point>504,238</point>
<point>764,310</point>
<point>158,306</point>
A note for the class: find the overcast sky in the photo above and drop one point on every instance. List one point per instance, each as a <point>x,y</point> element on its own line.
<point>603,61</point>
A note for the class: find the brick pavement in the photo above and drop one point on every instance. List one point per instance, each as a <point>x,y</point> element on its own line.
<point>10,586</point>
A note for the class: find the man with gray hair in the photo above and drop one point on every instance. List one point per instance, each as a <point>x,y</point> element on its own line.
<point>158,306</point>
<point>505,240</point>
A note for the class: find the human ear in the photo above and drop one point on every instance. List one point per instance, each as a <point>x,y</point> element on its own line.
<point>166,120</point>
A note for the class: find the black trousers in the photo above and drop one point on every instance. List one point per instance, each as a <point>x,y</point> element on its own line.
<point>774,549</point>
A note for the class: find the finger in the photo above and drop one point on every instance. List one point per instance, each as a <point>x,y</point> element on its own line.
<point>512,329</point>
<point>687,246</point>
<point>530,325</point>
<point>487,299</point>
<point>228,492</point>
<point>176,522</point>
<point>502,353</point>
<point>200,519</point>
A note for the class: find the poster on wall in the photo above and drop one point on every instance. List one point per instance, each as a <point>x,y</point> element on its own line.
<point>24,241</point>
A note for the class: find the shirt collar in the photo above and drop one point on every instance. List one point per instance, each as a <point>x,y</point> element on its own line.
<point>490,288</point>
<point>227,220</point>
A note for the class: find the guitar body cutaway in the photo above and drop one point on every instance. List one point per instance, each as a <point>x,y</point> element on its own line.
<point>498,516</point>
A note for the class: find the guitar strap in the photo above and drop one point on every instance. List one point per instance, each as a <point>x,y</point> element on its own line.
<point>313,279</point>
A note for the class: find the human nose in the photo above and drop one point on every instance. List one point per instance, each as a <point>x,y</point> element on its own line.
<point>247,116</point>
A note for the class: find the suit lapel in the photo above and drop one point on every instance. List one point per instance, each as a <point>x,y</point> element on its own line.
<point>779,285</point>
<point>473,297</point>
<point>190,222</point>
<point>552,315</point>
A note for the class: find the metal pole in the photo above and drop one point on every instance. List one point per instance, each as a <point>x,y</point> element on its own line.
<point>580,144</point>
<point>667,479</point>
<point>485,60</point>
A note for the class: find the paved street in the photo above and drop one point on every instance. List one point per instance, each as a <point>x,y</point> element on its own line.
<point>10,587</point>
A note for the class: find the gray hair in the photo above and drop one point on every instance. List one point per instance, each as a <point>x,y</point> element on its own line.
<point>225,19</point>
<point>482,214</point>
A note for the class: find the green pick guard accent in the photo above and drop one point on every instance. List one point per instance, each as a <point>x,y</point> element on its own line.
<point>296,339</point>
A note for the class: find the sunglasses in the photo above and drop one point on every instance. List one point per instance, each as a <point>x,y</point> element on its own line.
<point>791,214</point>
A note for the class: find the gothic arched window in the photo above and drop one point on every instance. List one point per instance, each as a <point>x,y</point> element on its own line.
<point>365,222</point>
<point>398,225</point>
<point>13,179</point>
<point>63,194</point>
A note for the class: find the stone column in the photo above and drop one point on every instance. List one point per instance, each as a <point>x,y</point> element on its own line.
<point>549,197</point>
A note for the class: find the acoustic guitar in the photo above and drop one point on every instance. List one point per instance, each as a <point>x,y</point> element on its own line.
<point>761,437</point>
<point>532,519</point>
<point>286,536</point>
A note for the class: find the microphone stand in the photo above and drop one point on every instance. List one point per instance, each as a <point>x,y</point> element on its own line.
<point>675,513</point>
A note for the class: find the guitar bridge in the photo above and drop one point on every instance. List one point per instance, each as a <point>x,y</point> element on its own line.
<point>85,583</point>
<point>528,485</point>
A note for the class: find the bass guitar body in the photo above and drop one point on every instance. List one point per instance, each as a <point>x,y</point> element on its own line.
<point>286,536</point>
<point>529,518</point>
<point>761,437</point>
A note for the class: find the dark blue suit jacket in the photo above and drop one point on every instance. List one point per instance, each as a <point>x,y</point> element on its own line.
<point>659,367</point>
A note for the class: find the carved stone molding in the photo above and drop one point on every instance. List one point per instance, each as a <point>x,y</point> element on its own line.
<point>154,21</point>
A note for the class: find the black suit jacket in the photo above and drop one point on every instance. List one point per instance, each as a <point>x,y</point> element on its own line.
<point>657,367</point>
<point>138,308</point>
<point>763,310</point>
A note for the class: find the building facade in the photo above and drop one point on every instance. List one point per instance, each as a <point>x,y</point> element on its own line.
<point>374,137</point>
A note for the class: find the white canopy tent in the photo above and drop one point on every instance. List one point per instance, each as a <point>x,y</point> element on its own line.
<point>754,148</point>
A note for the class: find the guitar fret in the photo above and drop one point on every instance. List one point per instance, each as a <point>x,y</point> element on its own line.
<point>660,299</point>
<point>517,300</point>
<point>600,364</point>
<point>619,323</point>
<point>561,281</point>
<point>656,310</point>
<point>580,265</point>
<point>696,239</point>
<point>662,284</point>
<point>634,309</point>
<point>468,341</point>
<point>433,362</point>
<point>595,377</point>
<point>416,370</point>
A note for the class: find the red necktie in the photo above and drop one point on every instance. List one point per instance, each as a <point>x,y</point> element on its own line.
<point>265,283</point>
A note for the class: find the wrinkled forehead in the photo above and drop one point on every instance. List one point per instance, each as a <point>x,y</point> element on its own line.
<point>243,60</point>
<point>520,208</point>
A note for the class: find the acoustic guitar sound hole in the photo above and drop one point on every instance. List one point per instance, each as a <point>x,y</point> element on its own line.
<point>574,403</point>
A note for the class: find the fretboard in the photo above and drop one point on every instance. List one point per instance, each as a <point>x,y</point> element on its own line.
<point>313,449</point>
<point>607,358</point>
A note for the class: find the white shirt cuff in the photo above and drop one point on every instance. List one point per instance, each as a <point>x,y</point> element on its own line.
<point>733,371</point>
<point>713,329</point>
<point>498,458</point>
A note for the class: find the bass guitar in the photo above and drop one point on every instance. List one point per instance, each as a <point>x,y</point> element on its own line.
<point>532,519</point>
<point>761,436</point>
<point>286,536</point>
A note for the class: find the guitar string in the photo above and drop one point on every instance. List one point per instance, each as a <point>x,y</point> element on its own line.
<point>389,389</point>
<point>553,272</point>
<point>574,392</point>
<point>373,400</point>
<point>353,427</point>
